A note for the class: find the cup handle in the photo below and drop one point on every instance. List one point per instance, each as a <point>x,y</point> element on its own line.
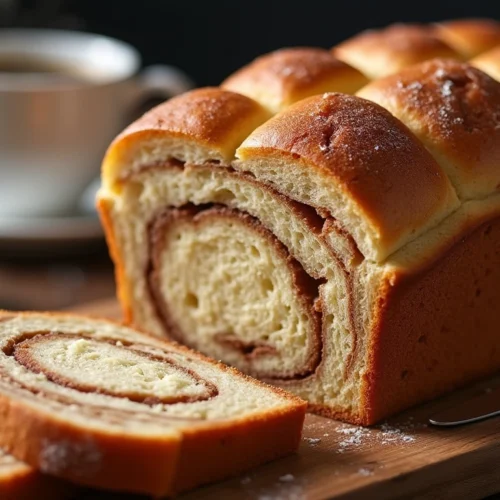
<point>153,85</point>
<point>162,81</point>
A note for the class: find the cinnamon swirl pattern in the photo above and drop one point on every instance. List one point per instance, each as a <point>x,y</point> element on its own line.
<point>336,249</point>
<point>105,406</point>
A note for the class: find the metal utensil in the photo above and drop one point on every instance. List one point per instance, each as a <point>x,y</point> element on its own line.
<point>485,406</point>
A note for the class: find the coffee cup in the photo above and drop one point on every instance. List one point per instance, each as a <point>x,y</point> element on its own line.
<point>63,97</point>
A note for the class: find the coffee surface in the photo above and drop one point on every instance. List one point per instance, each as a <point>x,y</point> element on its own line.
<point>32,65</point>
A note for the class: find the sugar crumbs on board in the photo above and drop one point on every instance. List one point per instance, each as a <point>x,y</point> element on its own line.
<point>365,472</point>
<point>288,487</point>
<point>312,441</point>
<point>355,437</point>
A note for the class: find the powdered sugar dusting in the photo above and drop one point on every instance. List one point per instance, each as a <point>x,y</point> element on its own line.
<point>440,73</point>
<point>446,88</point>
<point>59,456</point>
<point>301,66</point>
<point>322,441</point>
<point>6,459</point>
<point>415,86</point>
<point>455,104</point>
<point>284,487</point>
<point>312,441</point>
<point>292,493</point>
<point>353,437</point>
<point>365,472</point>
<point>344,438</point>
<point>391,434</point>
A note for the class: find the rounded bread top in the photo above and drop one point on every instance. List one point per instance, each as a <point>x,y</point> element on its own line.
<point>351,157</point>
<point>378,53</point>
<point>454,109</point>
<point>489,62</point>
<point>202,125</point>
<point>285,76</point>
<point>470,37</point>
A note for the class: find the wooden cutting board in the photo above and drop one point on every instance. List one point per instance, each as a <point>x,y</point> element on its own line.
<point>401,458</point>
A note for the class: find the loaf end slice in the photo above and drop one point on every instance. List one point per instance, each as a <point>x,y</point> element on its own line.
<point>109,407</point>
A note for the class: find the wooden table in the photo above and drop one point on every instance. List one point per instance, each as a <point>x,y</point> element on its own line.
<point>55,282</point>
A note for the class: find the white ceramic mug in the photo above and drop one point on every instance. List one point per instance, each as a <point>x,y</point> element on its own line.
<point>54,130</point>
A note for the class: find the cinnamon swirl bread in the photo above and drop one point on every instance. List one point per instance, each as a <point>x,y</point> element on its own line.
<point>344,252</point>
<point>378,53</point>
<point>489,62</point>
<point>381,52</point>
<point>285,76</point>
<point>470,37</point>
<point>106,406</point>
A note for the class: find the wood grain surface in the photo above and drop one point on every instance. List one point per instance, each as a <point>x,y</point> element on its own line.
<point>402,458</point>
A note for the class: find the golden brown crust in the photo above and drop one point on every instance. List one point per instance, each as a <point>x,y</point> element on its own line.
<point>285,76</point>
<point>202,453</point>
<point>421,346</point>
<point>378,53</point>
<point>203,114</point>
<point>470,37</point>
<point>164,466</point>
<point>124,465</point>
<point>334,413</point>
<point>455,110</point>
<point>489,62</point>
<point>365,151</point>
<point>142,463</point>
<point>209,123</point>
<point>122,291</point>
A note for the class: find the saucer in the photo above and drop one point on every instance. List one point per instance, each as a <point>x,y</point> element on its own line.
<point>64,233</point>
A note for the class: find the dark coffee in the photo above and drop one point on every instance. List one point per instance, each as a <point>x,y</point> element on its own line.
<point>38,66</point>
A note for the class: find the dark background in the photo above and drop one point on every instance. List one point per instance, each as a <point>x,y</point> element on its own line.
<point>210,39</point>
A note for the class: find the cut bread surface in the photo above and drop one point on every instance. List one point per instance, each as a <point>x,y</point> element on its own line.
<point>285,262</point>
<point>107,406</point>
<point>264,289</point>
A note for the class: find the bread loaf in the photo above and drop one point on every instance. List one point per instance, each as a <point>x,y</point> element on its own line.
<point>18,481</point>
<point>344,252</point>
<point>378,53</point>
<point>106,406</point>
<point>285,76</point>
<point>489,62</point>
<point>470,37</point>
